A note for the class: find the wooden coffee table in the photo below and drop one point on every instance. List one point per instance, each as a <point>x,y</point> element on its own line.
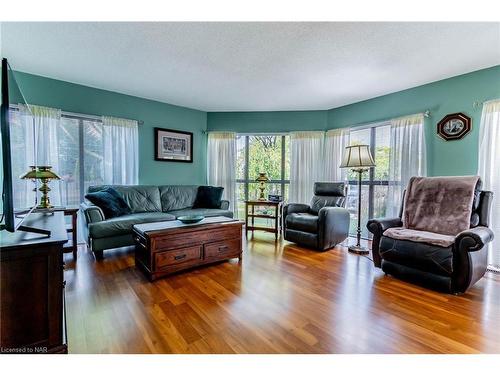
<point>170,246</point>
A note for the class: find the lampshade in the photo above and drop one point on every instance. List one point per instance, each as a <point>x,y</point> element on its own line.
<point>40,172</point>
<point>357,157</point>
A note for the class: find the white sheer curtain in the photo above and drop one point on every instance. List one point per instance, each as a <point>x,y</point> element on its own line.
<point>489,170</point>
<point>221,165</point>
<point>120,151</point>
<point>407,157</point>
<point>306,165</point>
<point>38,131</point>
<point>336,141</point>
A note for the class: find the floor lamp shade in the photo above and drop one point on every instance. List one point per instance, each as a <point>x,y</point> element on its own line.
<point>359,159</point>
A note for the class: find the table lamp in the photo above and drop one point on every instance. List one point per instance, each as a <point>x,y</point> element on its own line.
<point>359,159</point>
<point>44,174</point>
<point>262,179</point>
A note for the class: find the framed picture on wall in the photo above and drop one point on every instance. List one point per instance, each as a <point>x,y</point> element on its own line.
<point>173,145</point>
<point>454,126</point>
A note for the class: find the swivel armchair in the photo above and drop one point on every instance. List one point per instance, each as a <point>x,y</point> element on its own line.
<point>453,266</point>
<point>322,224</point>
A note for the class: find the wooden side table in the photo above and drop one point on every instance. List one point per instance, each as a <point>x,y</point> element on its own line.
<point>252,215</point>
<point>72,245</point>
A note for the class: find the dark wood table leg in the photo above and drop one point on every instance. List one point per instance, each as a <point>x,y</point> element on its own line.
<point>253,220</point>
<point>276,227</point>
<point>74,218</point>
<point>246,220</point>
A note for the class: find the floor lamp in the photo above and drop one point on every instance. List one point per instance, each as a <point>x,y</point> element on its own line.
<point>359,159</point>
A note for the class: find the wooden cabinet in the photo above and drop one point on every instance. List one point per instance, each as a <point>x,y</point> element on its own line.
<point>32,288</point>
<point>168,247</point>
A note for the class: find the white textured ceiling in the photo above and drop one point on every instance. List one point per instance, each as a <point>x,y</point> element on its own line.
<point>251,66</point>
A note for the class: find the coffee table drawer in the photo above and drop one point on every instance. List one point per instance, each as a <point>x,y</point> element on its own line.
<point>177,240</point>
<point>223,249</point>
<point>170,258</point>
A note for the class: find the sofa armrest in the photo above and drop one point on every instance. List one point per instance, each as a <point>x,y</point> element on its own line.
<point>224,205</point>
<point>377,227</point>
<point>474,239</point>
<point>333,226</point>
<point>91,213</point>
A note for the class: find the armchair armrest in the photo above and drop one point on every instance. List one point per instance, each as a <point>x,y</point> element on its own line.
<point>224,205</point>
<point>333,226</point>
<point>91,213</point>
<point>291,208</point>
<point>377,227</point>
<point>470,256</point>
<point>474,239</point>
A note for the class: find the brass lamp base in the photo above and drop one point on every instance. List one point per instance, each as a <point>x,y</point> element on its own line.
<point>358,250</point>
<point>44,199</point>
<point>262,197</point>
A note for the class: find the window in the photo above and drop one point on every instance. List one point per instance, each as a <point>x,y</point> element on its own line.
<point>375,183</point>
<point>268,153</point>
<point>77,150</point>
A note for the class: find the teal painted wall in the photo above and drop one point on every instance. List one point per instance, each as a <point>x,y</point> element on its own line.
<point>451,95</point>
<point>262,122</point>
<point>457,94</point>
<point>87,100</point>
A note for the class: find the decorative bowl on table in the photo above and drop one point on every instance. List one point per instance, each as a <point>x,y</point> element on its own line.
<point>191,219</point>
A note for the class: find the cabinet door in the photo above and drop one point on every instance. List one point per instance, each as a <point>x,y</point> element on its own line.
<point>32,292</point>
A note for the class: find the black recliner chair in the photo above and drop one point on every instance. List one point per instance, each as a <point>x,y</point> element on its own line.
<point>322,224</point>
<point>450,269</point>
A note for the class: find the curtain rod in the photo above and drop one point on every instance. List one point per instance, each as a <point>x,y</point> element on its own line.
<point>244,134</point>
<point>478,103</point>
<point>81,115</point>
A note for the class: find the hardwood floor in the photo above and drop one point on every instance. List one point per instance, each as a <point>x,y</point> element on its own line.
<point>280,299</point>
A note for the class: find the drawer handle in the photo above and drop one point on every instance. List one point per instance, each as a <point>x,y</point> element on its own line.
<point>223,248</point>
<point>138,241</point>
<point>179,257</point>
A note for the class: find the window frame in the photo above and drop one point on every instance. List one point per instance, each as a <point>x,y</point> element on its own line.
<point>246,180</point>
<point>81,118</point>
<point>371,182</point>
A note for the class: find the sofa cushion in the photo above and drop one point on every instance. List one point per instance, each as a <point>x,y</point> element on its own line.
<point>110,202</point>
<point>208,197</point>
<point>140,198</point>
<point>123,224</point>
<point>207,212</point>
<point>177,197</point>
<point>304,222</point>
<point>421,256</point>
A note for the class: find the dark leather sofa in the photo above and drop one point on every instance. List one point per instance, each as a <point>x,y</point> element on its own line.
<point>149,203</point>
<point>450,269</point>
<point>322,224</point>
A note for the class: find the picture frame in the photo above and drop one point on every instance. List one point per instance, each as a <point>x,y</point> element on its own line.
<point>173,145</point>
<point>454,126</point>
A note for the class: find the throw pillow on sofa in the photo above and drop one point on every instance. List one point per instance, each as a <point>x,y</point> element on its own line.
<point>208,197</point>
<point>110,202</point>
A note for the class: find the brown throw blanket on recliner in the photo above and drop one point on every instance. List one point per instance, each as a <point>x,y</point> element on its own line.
<point>436,205</point>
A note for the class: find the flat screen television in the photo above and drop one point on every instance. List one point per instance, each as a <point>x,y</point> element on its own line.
<point>18,143</point>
